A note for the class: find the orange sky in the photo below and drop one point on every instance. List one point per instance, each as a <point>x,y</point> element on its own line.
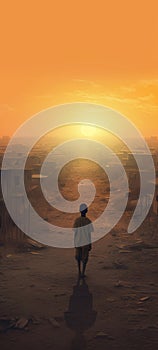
<point>100,51</point>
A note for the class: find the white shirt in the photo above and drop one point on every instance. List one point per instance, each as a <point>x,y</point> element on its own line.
<point>82,228</point>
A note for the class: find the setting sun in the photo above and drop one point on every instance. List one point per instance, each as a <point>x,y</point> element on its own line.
<point>88,131</point>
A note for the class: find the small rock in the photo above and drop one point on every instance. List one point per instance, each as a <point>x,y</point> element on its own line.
<point>123,284</point>
<point>125,251</point>
<point>21,323</point>
<point>34,244</point>
<point>104,335</point>
<point>111,300</point>
<point>34,253</point>
<point>144,298</point>
<point>101,335</point>
<point>54,323</point>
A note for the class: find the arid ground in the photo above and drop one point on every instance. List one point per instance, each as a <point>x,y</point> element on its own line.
<point>43,305</point>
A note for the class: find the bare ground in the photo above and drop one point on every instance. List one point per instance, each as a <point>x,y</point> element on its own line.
<point>115,308</point>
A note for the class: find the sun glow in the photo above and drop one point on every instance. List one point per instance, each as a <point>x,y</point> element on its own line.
<point>88,131</point>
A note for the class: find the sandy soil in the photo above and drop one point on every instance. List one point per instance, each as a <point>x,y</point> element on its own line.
<point>106,311</point>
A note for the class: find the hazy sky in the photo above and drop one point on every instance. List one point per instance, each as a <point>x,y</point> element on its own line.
<point>55,52</point>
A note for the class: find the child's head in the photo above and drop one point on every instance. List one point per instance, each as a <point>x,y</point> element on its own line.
<point>83,209</point>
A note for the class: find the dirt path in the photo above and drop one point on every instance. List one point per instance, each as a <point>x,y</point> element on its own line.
<point>105,312</point>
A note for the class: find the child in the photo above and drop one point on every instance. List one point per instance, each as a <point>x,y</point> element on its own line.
<point>82,239</point>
